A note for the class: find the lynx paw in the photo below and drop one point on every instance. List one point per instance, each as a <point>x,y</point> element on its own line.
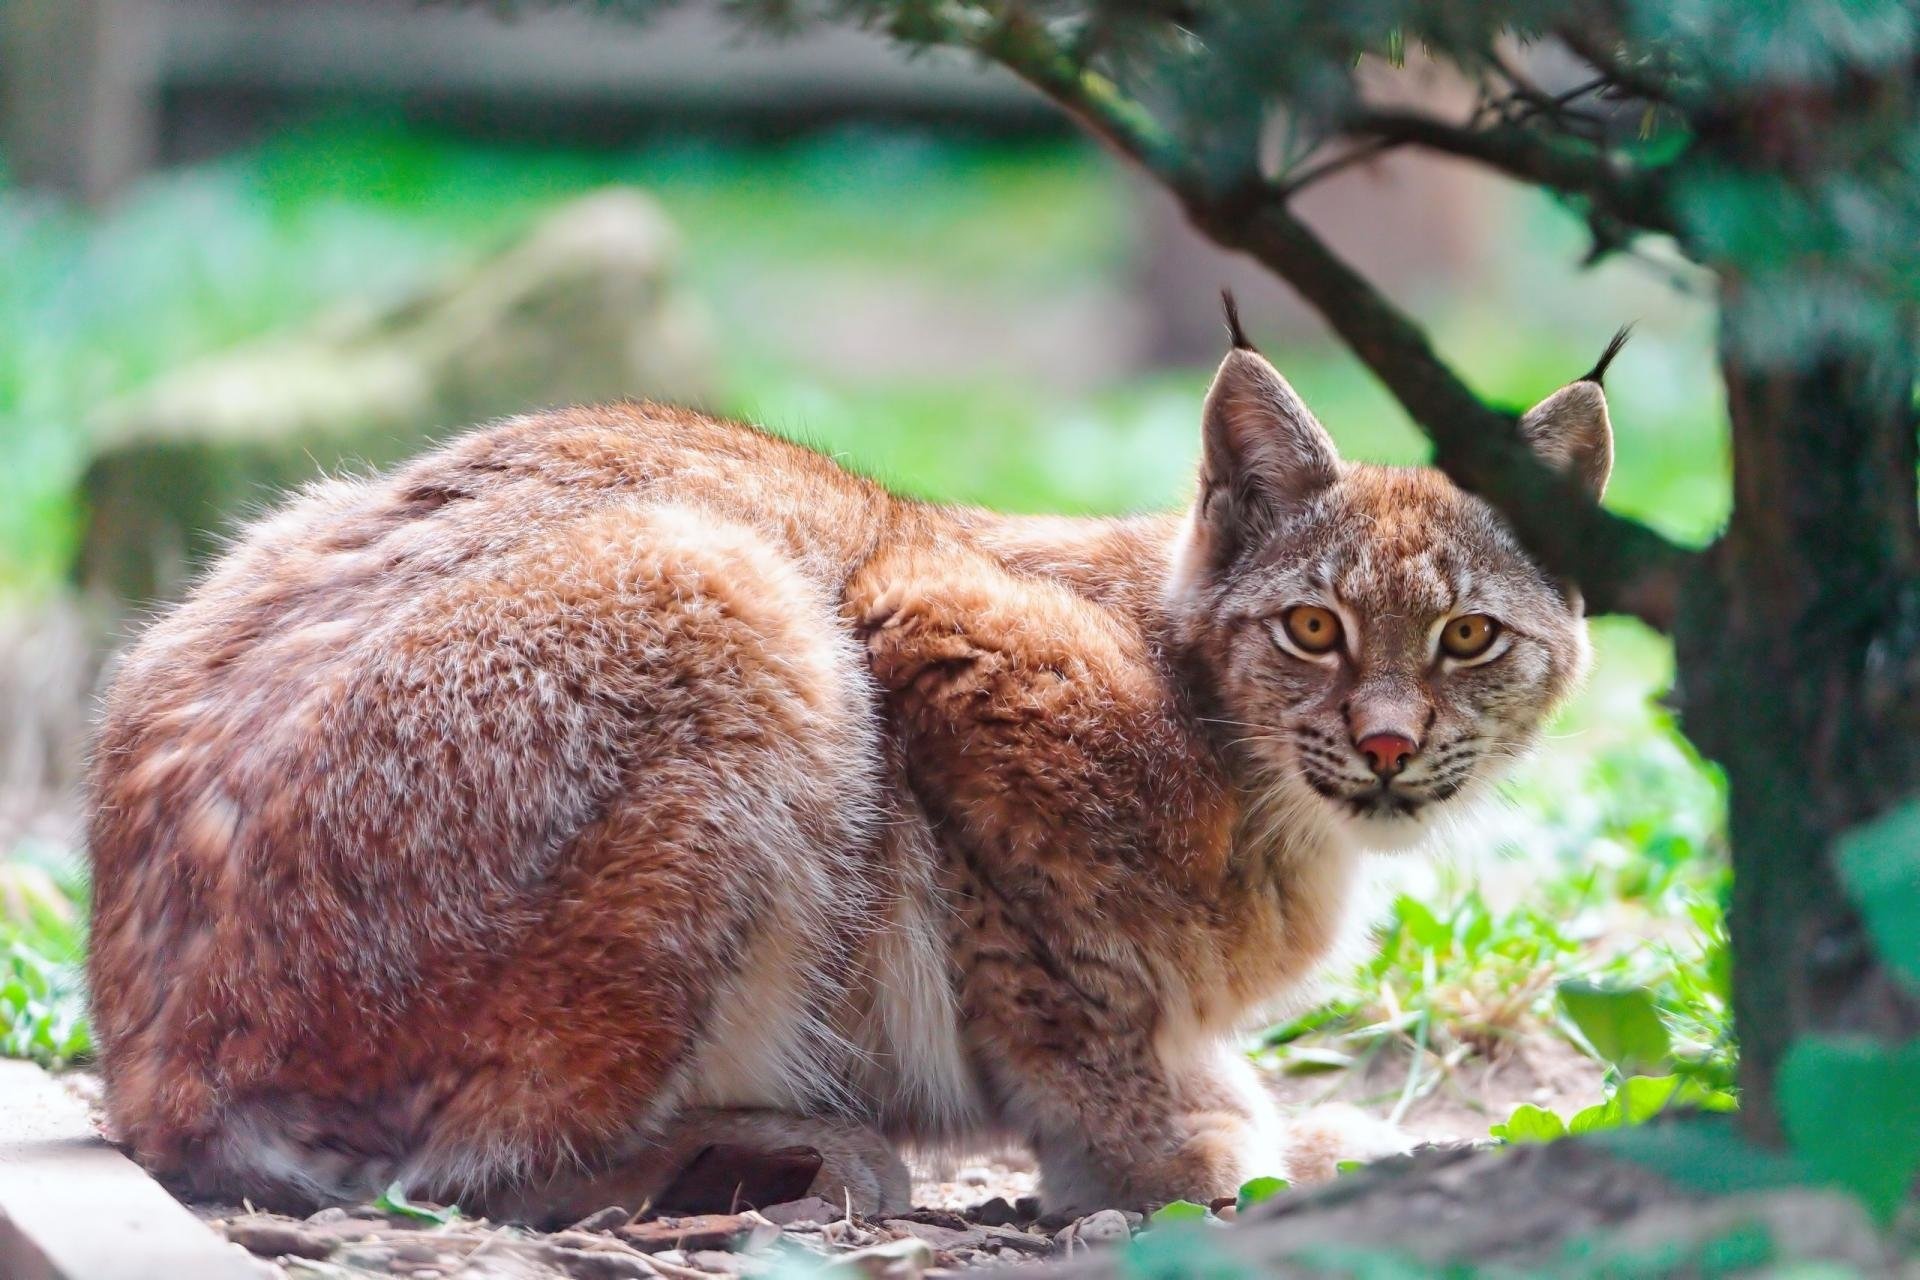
<point>1320,1140</point>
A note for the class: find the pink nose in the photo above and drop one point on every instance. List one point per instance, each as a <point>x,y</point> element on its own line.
<point>1386,752</point>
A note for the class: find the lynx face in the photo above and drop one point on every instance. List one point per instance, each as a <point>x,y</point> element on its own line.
<point>1378,642</point>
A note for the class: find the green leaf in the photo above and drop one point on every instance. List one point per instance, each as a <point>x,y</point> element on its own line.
<point>1349,1166</point>
<point>1178,1211</point>
<point>1637,1100</point>
<point>394,1201</point>
<point>1621,1023</point>
<point>1879,864</point>
<point>1421,924</point>
<point>1529,1123</point>
<point>1254,1190</point>
<point>1851,1107</point>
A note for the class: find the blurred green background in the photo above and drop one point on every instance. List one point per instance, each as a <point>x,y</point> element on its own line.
<point>972,315</point>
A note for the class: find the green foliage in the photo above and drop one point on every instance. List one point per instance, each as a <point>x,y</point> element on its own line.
<point>1621,1024</point>
<point>1530,1123</point>
<point>1631,1101</point>
<point>1180,1255</point>
<point>1180,1211</point>
<point>1852,1110</point>
<point>43,1012</point>
<point>93,306</point>
<point>1255,1190</point>
<point>1851,1105</point>
<point>1880,867</point>
<point>394,1201</point>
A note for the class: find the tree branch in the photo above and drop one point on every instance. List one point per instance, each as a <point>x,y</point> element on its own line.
<point>1581,169</point>
<point>1621,564</point>
<point>1630,80</point>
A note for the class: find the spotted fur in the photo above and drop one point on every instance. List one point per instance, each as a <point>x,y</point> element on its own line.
<point>615,780</point>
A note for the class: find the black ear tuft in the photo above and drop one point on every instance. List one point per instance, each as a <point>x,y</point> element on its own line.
<point>1598,374</point>
<point>1234,331</point>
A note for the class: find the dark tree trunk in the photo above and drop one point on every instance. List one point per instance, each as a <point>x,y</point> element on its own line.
<point>1799,658</point>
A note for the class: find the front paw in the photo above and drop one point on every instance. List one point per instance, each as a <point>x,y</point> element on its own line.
<point>1213,1155</point>
<point>1323,1138</point>
<point>1221,1152</point>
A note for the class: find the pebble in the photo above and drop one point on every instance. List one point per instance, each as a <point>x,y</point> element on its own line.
<point>732,1264</point>
<point>608,1219</point>
<point>426,1251</point>
<point>372,1257</point>
<point>812,1209</point>
<point>597,1264</point>
<point>1108,1226</point>
<point>904,1259</point>
<point>975,1175</point>
<point>940,1237</point>
<point>694,1231</point>
<point>270,1238</point>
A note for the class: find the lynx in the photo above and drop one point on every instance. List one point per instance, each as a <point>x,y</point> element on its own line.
<point>614,786</point>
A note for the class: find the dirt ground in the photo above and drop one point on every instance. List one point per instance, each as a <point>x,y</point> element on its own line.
<point>970,1212</point>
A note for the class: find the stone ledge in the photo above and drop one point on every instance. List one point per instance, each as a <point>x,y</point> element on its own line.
<point>74,1208</point>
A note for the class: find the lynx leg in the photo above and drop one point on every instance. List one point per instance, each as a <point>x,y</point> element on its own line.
<point>1118,1131</point>
<point>1062,1007</point>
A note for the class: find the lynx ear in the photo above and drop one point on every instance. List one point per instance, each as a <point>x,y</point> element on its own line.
<point>1261,451</point>
<point>1570,429</point>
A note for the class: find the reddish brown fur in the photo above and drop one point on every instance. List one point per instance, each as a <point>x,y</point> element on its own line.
<point>516,822</point>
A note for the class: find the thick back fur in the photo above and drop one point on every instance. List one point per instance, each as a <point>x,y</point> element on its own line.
<point>504,824</point>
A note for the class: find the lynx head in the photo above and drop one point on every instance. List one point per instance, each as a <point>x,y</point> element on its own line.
<point>1376,641</point>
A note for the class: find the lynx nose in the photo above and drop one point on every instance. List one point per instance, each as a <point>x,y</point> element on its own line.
<point>1386,753</point>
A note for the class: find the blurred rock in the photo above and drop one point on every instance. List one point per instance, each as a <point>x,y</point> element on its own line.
<point>50,660</point>
<point>584,307</point>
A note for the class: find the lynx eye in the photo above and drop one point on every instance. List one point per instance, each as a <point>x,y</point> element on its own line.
<point>1313,629</point>
<point>1469,635</point>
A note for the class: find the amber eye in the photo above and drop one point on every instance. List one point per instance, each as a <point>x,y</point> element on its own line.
<point>1314,629</point>
<point>1469,636</point>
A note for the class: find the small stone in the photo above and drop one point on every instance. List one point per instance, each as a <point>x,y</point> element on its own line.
<point>332,1213</point>
<point>904,1259</point>
<point>997,1212</point>
<point>846,1233</point>
<point>935,1234</point>
<point>597,1264</point>
<point>695,1231</point>
<point>811,1209</point>
<point>975,1176</point>
<point>1016,1239</point>
<point>371,1257</point>
<point>937,1217</point>
<point>416,1251</point>
<point>278,1238</point>
<point>1028,1207</point>
<point>1227,1212</point>
<point>726,1264</point>
<point>611,1218</point>
<point>1108,1226</point>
